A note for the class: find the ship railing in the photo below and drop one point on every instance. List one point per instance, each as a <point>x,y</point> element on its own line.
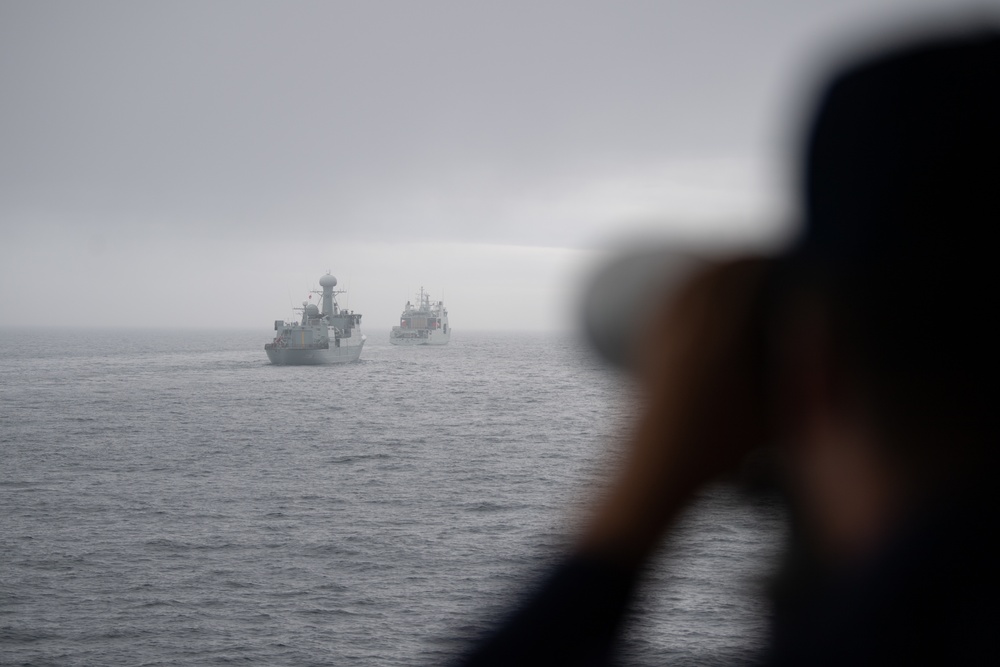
<point>307,346</point>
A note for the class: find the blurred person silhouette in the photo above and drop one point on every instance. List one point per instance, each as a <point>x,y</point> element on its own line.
<point>862,360</point>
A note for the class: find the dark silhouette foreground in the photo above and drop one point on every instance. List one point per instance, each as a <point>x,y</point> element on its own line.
<point>864,358</point>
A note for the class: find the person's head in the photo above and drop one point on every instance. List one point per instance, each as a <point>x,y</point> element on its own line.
<point>901,183</point>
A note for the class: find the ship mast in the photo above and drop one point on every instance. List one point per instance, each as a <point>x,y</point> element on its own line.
<point>328,282</point>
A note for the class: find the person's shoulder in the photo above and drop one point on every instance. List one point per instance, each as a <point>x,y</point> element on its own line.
<point>930,597</point>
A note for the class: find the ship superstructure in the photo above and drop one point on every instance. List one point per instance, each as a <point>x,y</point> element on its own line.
<point>324,335</point>
<point>423,323</point>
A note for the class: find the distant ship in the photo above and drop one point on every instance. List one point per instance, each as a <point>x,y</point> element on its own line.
<point>424,324</point>
<point>330,336</point>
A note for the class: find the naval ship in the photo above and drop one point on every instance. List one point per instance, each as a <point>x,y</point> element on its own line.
<point>423,324</point>
<point>330,336</point>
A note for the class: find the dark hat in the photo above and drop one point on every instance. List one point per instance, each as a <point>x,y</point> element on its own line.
<point>902,158</point>
<point>901,186</point>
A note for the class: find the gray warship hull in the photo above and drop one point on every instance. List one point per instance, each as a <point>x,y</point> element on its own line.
<point>400,336</point>
<point>288,356</point>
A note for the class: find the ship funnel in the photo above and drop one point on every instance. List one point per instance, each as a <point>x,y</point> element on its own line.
<point>328,282</point>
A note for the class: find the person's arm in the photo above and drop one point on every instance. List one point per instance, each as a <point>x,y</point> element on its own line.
<point>698,365</point>
<point>700,368</point>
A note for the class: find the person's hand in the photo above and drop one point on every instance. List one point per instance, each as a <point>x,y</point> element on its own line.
<point>700,368</point>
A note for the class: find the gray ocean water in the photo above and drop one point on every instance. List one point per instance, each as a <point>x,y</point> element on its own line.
<point>169,498</point>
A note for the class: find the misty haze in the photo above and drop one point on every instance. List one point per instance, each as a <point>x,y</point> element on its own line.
<point>175,177</point>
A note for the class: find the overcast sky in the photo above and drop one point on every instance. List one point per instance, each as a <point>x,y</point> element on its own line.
<point>201,164</point>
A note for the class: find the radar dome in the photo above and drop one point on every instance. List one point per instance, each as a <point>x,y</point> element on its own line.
<point>328,281</point>
<point>312,310</point>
